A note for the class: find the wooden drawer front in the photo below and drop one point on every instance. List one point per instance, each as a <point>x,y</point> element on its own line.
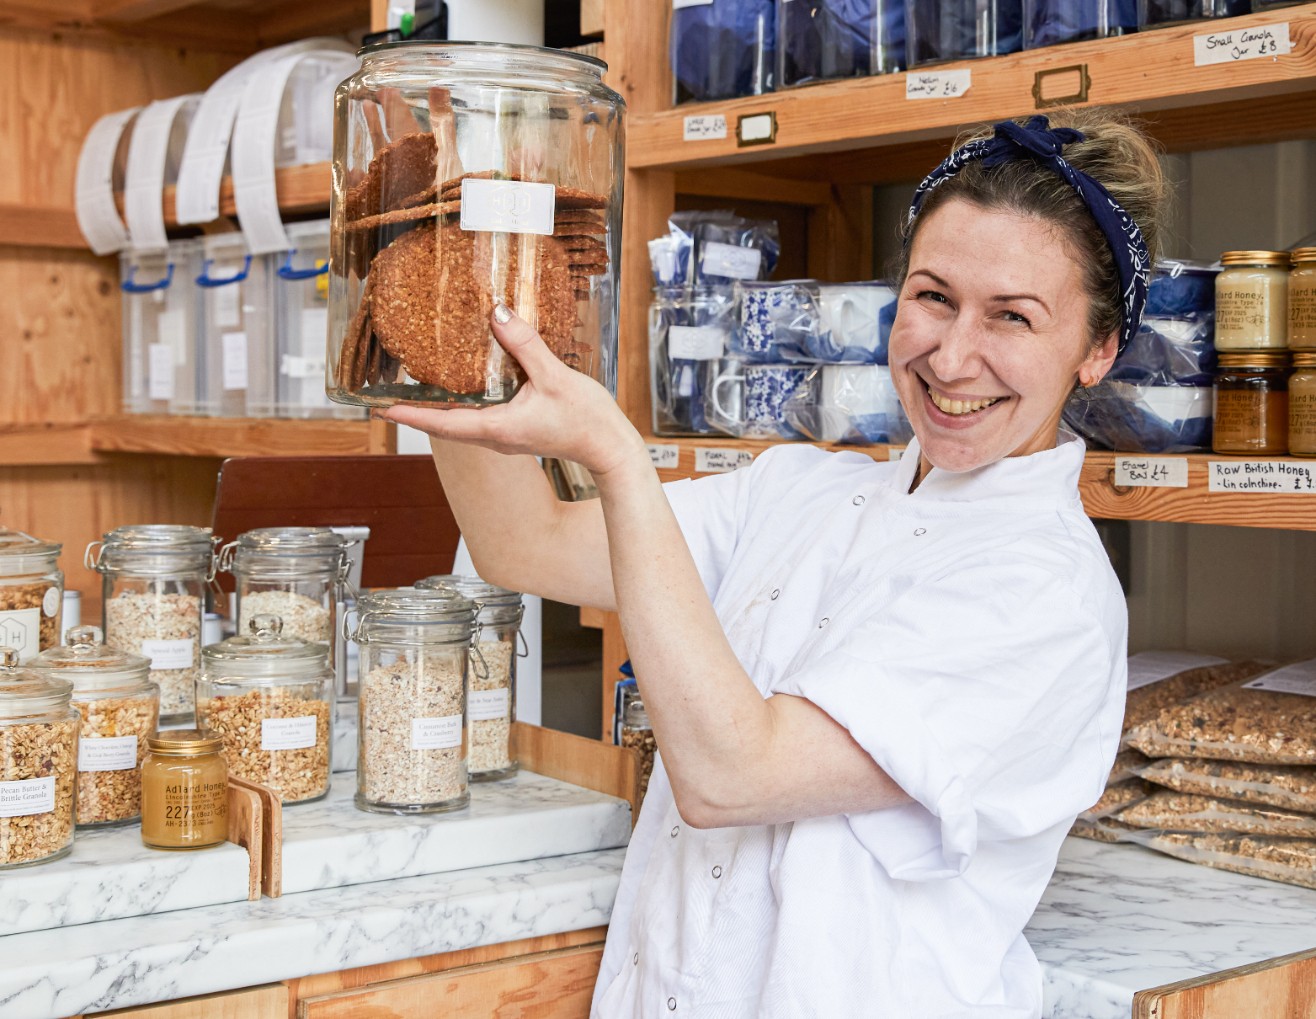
<point>1283,988</point>
<point>269,1002</point>
<point>554,985</point>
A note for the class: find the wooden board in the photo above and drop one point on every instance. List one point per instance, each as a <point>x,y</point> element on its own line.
<point>1283,988</point>
<point>552,985</point>
<point>246,829</point>
<point>589,763</point>
<point>271,856</point>
<point>46,444</point>
<point>196,436</point>
<point>267,1002</point>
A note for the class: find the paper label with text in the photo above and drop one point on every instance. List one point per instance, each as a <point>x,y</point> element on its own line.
<point>436,733</point>
<point>1150,667</point>
<point>160,371</point>
<point>704,127</point>
<point>1251,43</point>
<point>665,456</point>
<point>235,360</point>
<point>721,461</point>
<point>287,733</point>
<point>1151,471</point>
<point>20,629</point>
<point>27,796</point>
<point>170,654</point>
<point>227,304</point>
<point>695,343</point>
<point>508,206</point>
<point>730,261</point>
<point>487,705</point>
<point>109,753</point>
<point>938,84</point>
<point>1261,476</point>
<point>894,453</point>
<point>1299,678</point>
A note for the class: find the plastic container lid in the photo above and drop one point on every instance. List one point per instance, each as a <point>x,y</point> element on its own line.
<point>85,660</point>
<point>25,692</point>
<point>21,553</point>
<point>265,653</point>
<point>438,614</point>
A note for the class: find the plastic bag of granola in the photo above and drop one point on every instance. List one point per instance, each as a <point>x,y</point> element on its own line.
<point>1118,796</point>
<point>1105,829</point>
<point>1292,861</point>
<point>1291,787</point>
<point>1171,811</point>
<point>1163,679</point>
<point>1267,720</point>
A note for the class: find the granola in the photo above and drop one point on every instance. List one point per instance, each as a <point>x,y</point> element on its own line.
<point>151,623</point>
<point>302,616</point>
<point>643,743</point>
<point>1145,703</point>
<point>1117,796</point>
<point>1236,724</point>
<point>31,751</point>
<point>110,791</point>
<point>1290,787</point>
<point>1171,811</point>
<point>490,750</point>
<point>1292,861</point>
<point>297,773</point>
<point>36,596</point>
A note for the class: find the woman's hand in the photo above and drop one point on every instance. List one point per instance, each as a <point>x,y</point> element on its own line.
<point>557,412</point>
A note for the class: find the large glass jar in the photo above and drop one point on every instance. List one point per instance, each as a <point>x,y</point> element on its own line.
<point>413,736</point>
<point>467,174</point>
<point>1302,300</point>
<point>38,764</point>
<point>184,790</point>
<point>492,698</point>
<point>118,708</point>
<point>1252,301</point>
<point>1048,22</point>
<point>1251,403</point>
<point>940,30</point>
<point>154,581</point>
<point>31,593</point>
<point>270,698</point>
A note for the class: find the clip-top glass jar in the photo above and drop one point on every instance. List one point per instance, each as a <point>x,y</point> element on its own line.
<point>184,790</point>
<point>1302,300</point>
<point>38,764</point>
<point>467,174</point>
<point>31,593</point>
<point>155,579</point>
<point>270,698</point>
<point>1251,403</point>
<point>119,708</point>
<point>1252,301</point>
<point>413,736</point>
<point>637,735</point>
<point>491,703</point>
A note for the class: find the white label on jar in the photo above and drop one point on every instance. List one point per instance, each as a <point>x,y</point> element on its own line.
<point>235,360</point>
<point>160,371</point>
<point>704,127</point>
<point>730,261</point>
<point>1150,667</point>
<point>1241,44</point>
<point>27,796</point>
<point>51,602</point>
<point>665,456</point>
<point>938,84</point>
<point>696,343</point>
<point>228,305</point>
<point>287,733</point>
<point>111,753</point>
<point>485,705</point>
<point>1151,471</point>
<point>20,629</point>
<point>720,461</point>
<point>170,654</point>
<point>1261,476</point>
<point>508,206</point>
<point>1299,678</point>
<point>436,733</point>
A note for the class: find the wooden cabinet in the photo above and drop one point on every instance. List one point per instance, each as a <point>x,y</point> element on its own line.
<point>268,1002</point>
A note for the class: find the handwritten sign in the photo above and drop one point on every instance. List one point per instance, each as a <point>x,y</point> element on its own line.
<point>938,84</point>
<point>1241,44</point>
<point>1151,471</point>
<point>1261,476</point>
<point>721,461</point>
<point>664,456</point>
<point>705,127</point>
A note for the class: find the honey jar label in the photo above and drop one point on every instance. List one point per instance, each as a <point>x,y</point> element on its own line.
<point>27,796</point>
<point>436,733</point>
<point>287,733</point>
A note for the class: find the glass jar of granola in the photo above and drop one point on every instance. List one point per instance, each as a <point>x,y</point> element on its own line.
<point>154,580</point>
<point>491,703</point>
<point>413,737</point>
<point>31,593</point>
<point>119,708</point>
<point>270,698</point>
<point>38,764</point>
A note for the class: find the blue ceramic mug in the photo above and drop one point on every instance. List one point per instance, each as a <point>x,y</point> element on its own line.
<point>748,399</point>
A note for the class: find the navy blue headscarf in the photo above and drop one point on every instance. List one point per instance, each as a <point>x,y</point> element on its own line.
<point>1038,140</point>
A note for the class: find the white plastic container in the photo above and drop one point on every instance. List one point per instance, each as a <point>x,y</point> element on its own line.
<point>160,364</point>
<point>237,329</point>
<point>301,323</point>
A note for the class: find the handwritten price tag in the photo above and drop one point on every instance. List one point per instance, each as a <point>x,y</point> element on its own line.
<point>721,461</point>
<point>665,456</point>
<point>938,84</point>
<point>1151,471</point>
<point>1241,44</point>
<point>1261,476</point>
<point>705,127</point>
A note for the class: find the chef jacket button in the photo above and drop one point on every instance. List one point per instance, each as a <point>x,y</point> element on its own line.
<point>824,622</point>
<point>920,531</point>
<point>671,1004</point>
<point>635,959</point>
<point>858,500</point>
<point>717,872</point>
<point>675,828</point>
<point>776,593</point>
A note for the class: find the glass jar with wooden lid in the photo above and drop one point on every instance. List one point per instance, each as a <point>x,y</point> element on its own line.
<point>1302,404</point>
<point>1302,300</point>
<point>31,593</point>
<point>1251,301</point>
<point>1251,403</point>
<point>184,790</point>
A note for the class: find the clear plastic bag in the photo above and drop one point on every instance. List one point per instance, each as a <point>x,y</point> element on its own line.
<point>848,403</point>
<point>1138,418</point>
<point>1106,829</point>
<point>689,330</point>
<point>747,399</point>
<point>1146,702</point>
<point>804,320</point>
<point>1292,861</point>
<point>725,247</point>
<point>1119,796</point>
<point>1166,810</point>
<point>1290,787</point>
<point>823,39</point>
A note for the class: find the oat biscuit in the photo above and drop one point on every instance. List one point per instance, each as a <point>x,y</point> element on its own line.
<point>404,215</point>
<point>399,170</point>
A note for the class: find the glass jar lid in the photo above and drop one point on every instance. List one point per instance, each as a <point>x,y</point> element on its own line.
<point>496,604</point>
<point>153,548</point>
<point>1261,259</point>
<point>1254,359</point>
<point>85,660</point>
<point>285,549</point>
<point>184,743</point>
<point>1303,255</point>
<point>636,716</point>
<point>25,692</point>
<point>437,615</point>
<point>21,553</point>
<point>265,652</point>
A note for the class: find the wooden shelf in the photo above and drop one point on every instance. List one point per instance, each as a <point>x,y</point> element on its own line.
<point>46,445</point>
<point>301,189</point>
<point>1101,496</point>
<point>1149,72</point>
<point>223,437</point>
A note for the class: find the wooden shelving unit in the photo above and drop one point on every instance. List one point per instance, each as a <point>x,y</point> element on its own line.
<point>222,437</point>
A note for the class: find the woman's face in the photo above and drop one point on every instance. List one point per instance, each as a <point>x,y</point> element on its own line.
<point>990,335</point>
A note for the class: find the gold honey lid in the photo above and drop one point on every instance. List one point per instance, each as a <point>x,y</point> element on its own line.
<point>1265,259</point>
<point>1306,359</point>
<point>184,742</point>
<point>1254,359</point>
<point>1303,255</point>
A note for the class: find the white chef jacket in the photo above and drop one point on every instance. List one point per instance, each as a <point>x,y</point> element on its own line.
<point>971,636</point>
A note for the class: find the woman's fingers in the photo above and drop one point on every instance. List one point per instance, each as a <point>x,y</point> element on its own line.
<point>522,342</point>
<point>459,424</point>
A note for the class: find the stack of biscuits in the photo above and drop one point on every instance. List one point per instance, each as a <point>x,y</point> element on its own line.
<point>430,286</point>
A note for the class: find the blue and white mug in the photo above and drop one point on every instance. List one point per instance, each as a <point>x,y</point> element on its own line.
<point>748,399</point>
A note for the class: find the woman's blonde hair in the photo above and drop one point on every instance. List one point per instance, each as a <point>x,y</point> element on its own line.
<point>1115,152</point>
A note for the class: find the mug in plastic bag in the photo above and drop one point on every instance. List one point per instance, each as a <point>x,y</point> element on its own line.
<point>1142,418</point>
<point>689,330</point>
<point>748,399</point>
<point>849,403</point>
<point>854,322</point>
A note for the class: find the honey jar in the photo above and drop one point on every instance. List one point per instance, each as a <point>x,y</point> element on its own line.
<point>1302,405</point>
<point>1251,403</point>
<point>1302,300</point>
<point>184,790</point>
<point>1251,301</point>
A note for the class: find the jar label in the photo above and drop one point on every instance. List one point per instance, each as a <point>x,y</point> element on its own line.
<point>20,629</point>
<point>235,360</point>
<point>1151,471</point>
<point>27,796</point>
<point>730,261</point>
<point>436,733</point>
<point>287,733</point>
<point>1261,476</point>
<point>170,654</point>
<point>1298,678</point>
<point>51,602</point>
<point>695,343</point>
<point>160,371</point>
<point>508,206</point>
<point>109,753</point>
<point>485,705</point>
<point>1150,667</point>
